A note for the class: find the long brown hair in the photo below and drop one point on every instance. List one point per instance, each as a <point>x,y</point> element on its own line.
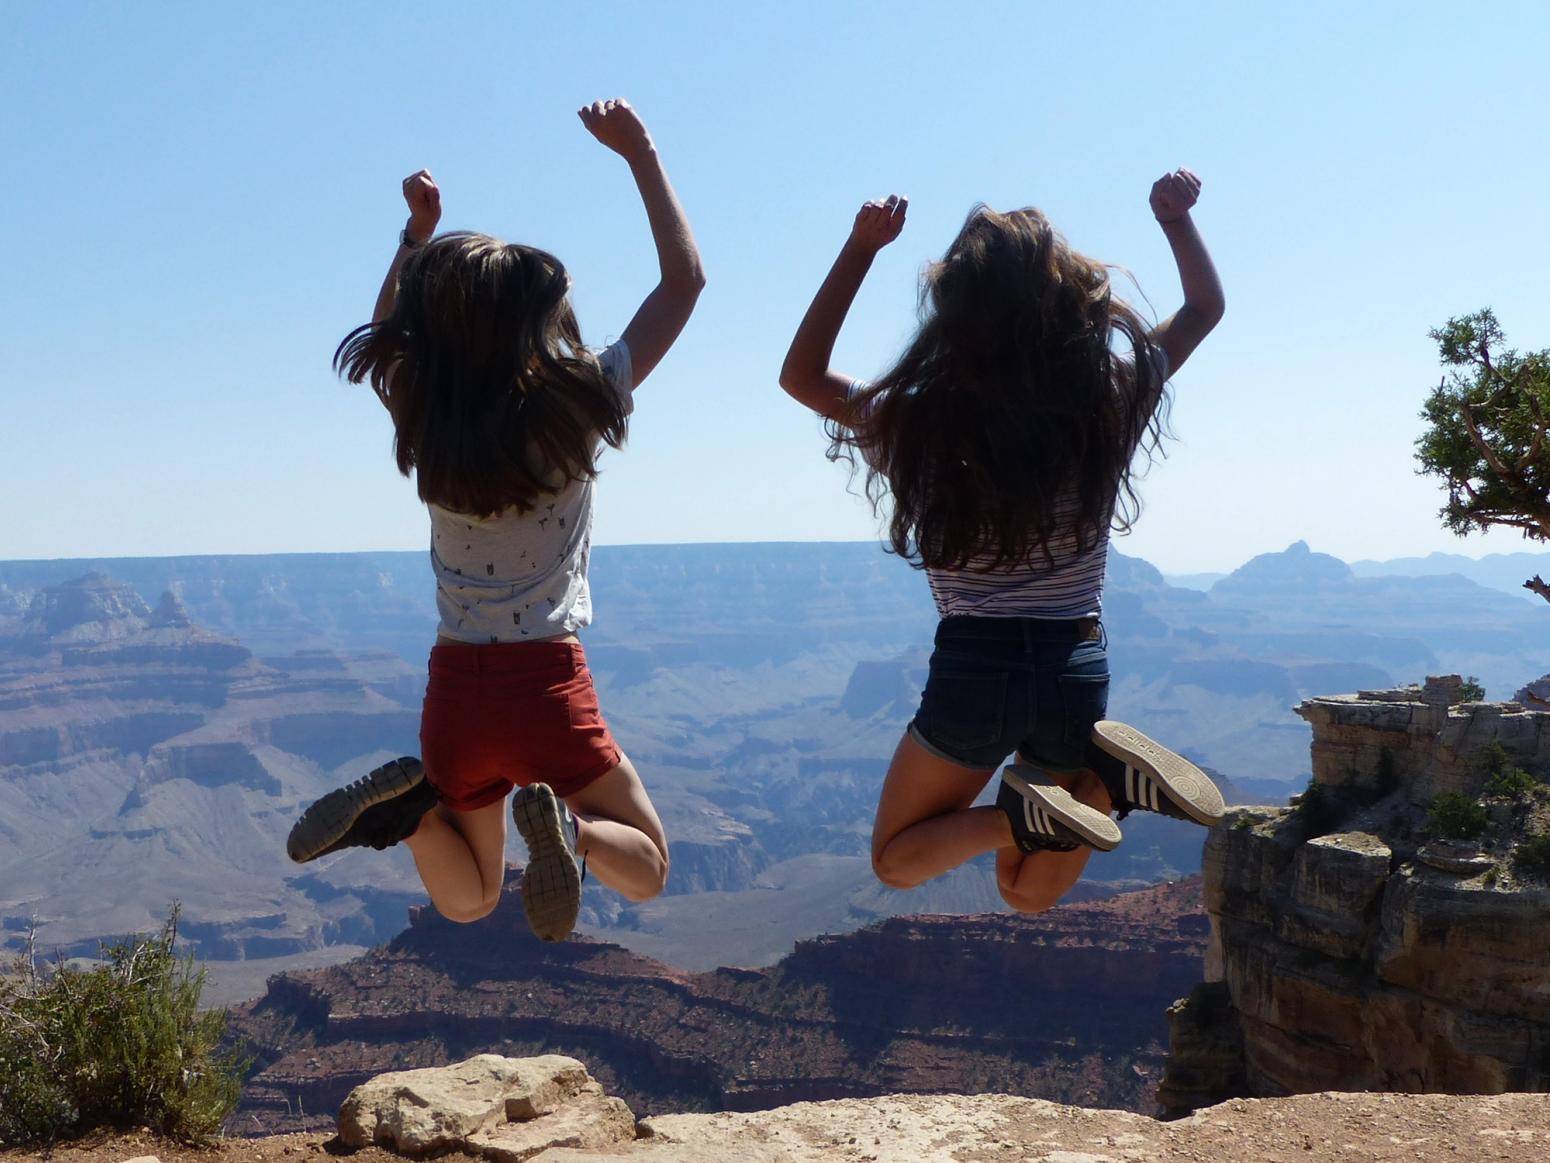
<point>1009,402</point>
<point>495,402</point>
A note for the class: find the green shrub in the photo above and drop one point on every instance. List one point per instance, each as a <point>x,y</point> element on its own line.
<point>1532,857</point>
<point>1506,779</point>
<point>1320,810</point>
<point>1512,783</point>
<point>1472,691</point>
<point>122,1044</point>
<point>1455,817</point>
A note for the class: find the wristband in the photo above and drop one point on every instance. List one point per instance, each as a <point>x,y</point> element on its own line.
<point>408,243</point>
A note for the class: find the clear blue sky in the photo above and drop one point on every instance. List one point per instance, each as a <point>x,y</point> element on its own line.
<point>200,200</point>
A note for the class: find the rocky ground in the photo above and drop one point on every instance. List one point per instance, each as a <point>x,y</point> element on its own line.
<point>1374,1128</point>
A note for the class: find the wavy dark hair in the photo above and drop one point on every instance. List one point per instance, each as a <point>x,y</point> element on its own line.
<point>1009,401</point>
<point>495,401</point>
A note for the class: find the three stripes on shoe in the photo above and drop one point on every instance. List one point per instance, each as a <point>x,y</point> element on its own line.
<point>1037,820</point>
<point>1141,789</point>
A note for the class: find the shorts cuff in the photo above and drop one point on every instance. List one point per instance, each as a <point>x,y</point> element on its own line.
<point>479,799</point>
<point>569,787</point>
<point>925,744</point>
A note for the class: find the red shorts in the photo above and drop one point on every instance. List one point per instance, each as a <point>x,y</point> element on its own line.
<point>509,714</point>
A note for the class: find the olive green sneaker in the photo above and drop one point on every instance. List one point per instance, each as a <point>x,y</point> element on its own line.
<point>551,881</point>
<point>376,811</point>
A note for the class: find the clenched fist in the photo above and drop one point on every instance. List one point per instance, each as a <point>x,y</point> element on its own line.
<point>423,197</point>
<point>879,223</point>
<point>1173,195</point>
<point>618,126</point>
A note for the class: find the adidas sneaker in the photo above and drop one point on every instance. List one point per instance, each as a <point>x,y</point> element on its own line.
<point>1045,815</point>
<point>1149,777</point>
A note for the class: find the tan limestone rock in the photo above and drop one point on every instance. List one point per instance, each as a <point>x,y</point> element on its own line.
<point>1336,883</point>
<point>588,1120</point>
<point>433,1109</point>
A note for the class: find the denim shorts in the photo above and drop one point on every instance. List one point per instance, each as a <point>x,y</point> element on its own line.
<point>998,685</point>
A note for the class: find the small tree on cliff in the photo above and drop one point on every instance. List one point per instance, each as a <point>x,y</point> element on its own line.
<point>1486,435</point>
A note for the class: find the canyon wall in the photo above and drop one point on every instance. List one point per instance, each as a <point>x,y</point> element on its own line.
<point>1363,939</point>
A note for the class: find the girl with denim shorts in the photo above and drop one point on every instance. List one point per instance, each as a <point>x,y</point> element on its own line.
<point>1004,438</point>
<point>501,412</point>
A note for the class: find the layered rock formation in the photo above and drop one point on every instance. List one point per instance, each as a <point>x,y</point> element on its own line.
<point>145,759</point>
<point>1355,949</point>
<point>1066,1005</point>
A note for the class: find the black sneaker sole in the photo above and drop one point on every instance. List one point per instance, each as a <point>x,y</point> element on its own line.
<point>551,882</point>
<point>1189,788</point>
<point>1090,825</point>
<point>326,821</point>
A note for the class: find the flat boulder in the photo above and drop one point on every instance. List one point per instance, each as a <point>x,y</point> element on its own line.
<point>420,1112</point>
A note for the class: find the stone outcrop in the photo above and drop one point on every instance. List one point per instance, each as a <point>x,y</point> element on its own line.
<point>984,1128</point>
<point>504,1109</point>
<point>548,1110</point>
<point>1351,950</point>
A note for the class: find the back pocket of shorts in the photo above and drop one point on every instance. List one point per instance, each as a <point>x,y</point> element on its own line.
<point>1086,700</point>
<point>963,711</point>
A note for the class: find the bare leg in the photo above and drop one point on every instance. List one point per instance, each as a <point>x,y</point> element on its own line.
<point>925,824</point>
<point>620,835</point>
<point>1034,882</point>
<point>461,858</point>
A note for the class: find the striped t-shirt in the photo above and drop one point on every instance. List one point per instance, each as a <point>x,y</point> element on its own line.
<point>1071,587</point>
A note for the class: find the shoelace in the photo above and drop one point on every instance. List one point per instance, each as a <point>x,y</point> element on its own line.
<point>575,841</point>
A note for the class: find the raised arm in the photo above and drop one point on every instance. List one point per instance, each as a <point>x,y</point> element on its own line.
<point>1178,335</point>
<point>806,375</point>
<point>662,315</point>
<point>423,197</point>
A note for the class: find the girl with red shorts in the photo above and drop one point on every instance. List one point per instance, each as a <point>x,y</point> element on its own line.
<point>501,412</point>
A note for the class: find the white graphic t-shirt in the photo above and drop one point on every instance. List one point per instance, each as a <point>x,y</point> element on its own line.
<point>518,577</point>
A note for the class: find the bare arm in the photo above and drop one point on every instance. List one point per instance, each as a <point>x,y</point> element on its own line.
<point>661,317</point>
<point>806,375</point>
<point>423,197</point>
<point>1172,197</point>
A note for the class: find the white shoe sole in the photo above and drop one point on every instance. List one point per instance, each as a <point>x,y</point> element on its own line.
<point>1189,788</point>
<point>1089,824</point>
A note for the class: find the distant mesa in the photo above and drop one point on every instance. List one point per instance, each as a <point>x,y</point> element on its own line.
<point>96,620</point>
<point>1296,566</point>
<point>92,608</point>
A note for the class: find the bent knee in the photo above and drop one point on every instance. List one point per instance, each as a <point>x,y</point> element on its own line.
<point>1023,902</point>
<point>468,914</point>
<point>889,873</point>
<point>648,889</point>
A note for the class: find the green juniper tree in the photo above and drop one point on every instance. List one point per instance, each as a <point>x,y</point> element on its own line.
<point>1486,434</point>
